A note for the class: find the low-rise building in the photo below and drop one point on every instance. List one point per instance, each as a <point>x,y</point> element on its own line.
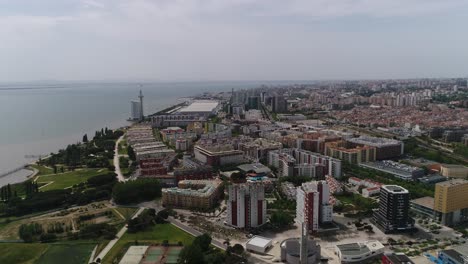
<point>456,255</point>
<point>156,153</point>
<point>396,258</point>
<point>359,252</point>
<point>432,179</point>
<point>258,244</point>
<point>218,155</point>
<point>454,171</point>
<point>423,206</point>
<point>399,170</point>
<point>368,192</point>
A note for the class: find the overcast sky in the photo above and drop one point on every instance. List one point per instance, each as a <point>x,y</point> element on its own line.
<point>232,40</point>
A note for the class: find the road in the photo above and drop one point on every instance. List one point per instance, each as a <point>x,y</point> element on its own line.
<point>195,232</point>
<point>120,176</point>
<point>111,243</point>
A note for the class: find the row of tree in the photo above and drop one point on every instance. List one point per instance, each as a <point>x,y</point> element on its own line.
<point>94,153</point>
<point>136,191</point>
<point>146,219</point>
<point>95,189</point>
<point>200,252</point>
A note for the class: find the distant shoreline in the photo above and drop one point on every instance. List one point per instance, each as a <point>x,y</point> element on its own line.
<point>31,88</point>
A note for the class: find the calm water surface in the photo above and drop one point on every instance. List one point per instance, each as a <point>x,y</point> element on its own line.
<point>42,118</point>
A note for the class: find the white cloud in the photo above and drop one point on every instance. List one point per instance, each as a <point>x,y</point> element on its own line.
<point>221,39</point>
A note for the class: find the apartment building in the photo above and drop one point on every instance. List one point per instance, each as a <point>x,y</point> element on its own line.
<point>348,152</point>
<point>292,162</point>
<point>313,204</point>
<point>246,206</point>
<point>193,194</point>
<point>393,213</point>
<point>384,148</point>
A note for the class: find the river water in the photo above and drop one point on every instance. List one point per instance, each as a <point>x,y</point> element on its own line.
<point>39,118</point>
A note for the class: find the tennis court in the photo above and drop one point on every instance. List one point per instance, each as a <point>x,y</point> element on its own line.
<point>153,255</point>
<point>172,255</point>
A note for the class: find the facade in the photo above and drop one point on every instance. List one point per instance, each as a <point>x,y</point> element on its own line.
<point>291,162</point>
<point>246,207</point>
<point>454,171</point>
<point>135,110</point>
<point>156,166</point>
<point>218,155</point>
<point>450,200</point>
<point>258,244</point>
<point>423,206</point>
<point>158,153</point>
<point>368,192</point>
<point>385,148</point>
<point>393,212</point>
<point>313,206</point>
<point>172,134</point>
<point>203,108</point>
<point>199,194</point>
<point>258,149</point>
<point>349,153</point>
<point>399,170</point>
<point>175,120</point>
<point>291,247</point>
<point>457,255</point>
<point>396,258</point>
<point>315,142</point>
<point>359,252</point>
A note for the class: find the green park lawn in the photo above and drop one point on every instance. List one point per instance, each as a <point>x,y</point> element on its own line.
<point>68,179</point>
<point>155,234</point>
<point>43,170</point>
<point>67,253</point>
<point>21,253</point>
<point>123,147</point>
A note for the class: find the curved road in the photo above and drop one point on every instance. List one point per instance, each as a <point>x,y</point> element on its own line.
<point>120,176</point>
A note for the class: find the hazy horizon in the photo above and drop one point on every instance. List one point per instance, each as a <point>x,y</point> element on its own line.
<point>223,40</point>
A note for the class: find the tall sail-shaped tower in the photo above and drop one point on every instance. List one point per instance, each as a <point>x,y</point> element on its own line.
<point>142,116</point>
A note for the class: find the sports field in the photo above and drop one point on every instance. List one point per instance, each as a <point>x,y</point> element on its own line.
<point>21,253</point>
<point>155,234</point>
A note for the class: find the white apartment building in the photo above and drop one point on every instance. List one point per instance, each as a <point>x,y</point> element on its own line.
<point>246,206</point>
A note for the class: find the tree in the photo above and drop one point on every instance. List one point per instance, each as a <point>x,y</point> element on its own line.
<point>280,219</point>
<point>131,153</point>
<point>203,241</point>
<point>85,138</point>
<point>191,255</point>
<point>136,191</point>
<point>238,249</point>
<point>8,192</point>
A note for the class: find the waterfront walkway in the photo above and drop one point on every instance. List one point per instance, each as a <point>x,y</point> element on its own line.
<point>120,176</point>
